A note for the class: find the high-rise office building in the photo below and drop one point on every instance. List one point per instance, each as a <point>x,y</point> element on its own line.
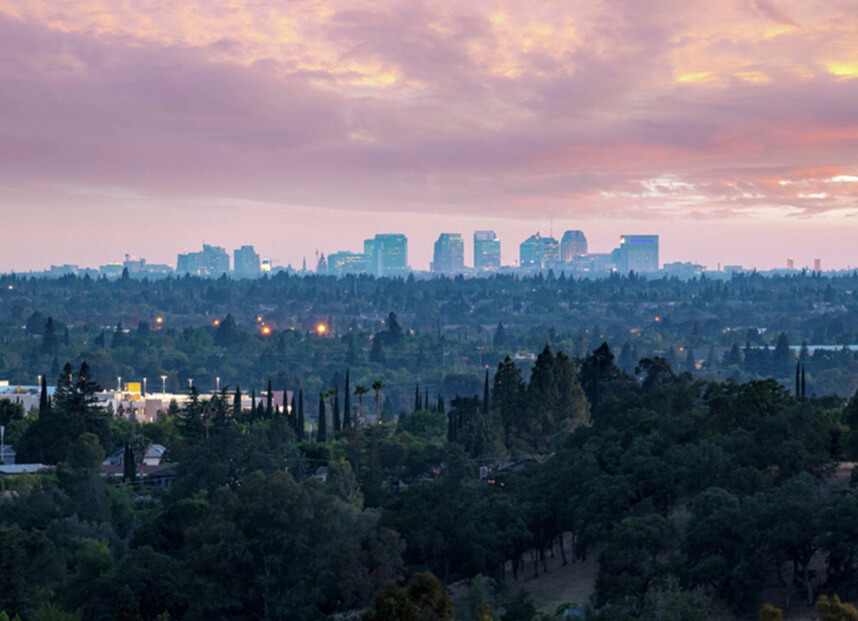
<point>538,251</point>
<point>573,244</point>
<point>449,256</point>
<point>637,253</point>
<point>340,263</point>
<point>212,261</point>
<point>388,254</point>
<point>246,262</point>
<point>487,254</point>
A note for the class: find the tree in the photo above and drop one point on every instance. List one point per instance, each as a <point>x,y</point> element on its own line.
<point>377,386</point>
<point>360,391</point>
<point>508,399</point>
<point>423,599</point>
<point>394,330</point>
<point>499,339</point>
<point>347,405</point>
<point>49,339</point>
<point>236,402</point>
<point>835,610</point>
<point>322,433</point>
<point>597,371</point>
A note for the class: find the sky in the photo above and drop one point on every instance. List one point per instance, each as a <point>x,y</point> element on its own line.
<point>729,128</point>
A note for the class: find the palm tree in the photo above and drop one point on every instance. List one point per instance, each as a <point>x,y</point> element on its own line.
<point>360,391</point>
<point>377,385</point>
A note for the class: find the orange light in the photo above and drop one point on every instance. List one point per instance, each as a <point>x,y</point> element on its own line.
<point>321,329</point>
<point>259,318</point>
<point>657,319</point>
<point>216,322</point>
<point>266,330</point>
<point>159,320</point>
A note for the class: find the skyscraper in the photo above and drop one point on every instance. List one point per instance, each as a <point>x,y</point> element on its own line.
<point>212,261</point>
<point>449,256</point>
<point>573,244</point>
<point>637,253</point>
<point>246,262</point>
<point>486,250</point>
<point>388,254</point>
<point>537,251</point>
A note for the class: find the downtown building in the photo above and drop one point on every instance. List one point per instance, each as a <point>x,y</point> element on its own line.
<point>388,254</point>
<point>538,252</point>
<point>449,255</point>
<point>487,253</point>
<point>572,245</point>
<point>213,261</point>
<point>246,263</point>
<point>637,253</point>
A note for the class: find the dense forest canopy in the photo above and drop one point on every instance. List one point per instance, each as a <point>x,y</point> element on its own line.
<point>512,430</point>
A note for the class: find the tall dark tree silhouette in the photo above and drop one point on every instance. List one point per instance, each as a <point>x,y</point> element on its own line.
<point>347,405</point>
<point>377,386</point>
<point>322,433</point>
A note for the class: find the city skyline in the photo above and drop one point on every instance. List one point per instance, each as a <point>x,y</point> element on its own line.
<point>729,128</point>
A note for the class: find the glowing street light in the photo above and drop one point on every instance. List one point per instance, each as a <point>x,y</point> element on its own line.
<point>321,329</point>
<point>163,384</point>
<point>266,330</point>
<point>217,380</point>
<point>119,384</point>
<point>144,386</point>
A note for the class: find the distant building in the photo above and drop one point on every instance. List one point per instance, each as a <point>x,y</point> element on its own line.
<point>246,262</point>
<point>449,256</point>
<point>213,261</point>
<point>538,252</point>
<point>487,254</point>
<point>388,254</point>
<point>790,264</point>
<point>817,265</point>
<point>637,253</point>
<point>341,263</point>
<point>684,270</point>
<point>573,244</point>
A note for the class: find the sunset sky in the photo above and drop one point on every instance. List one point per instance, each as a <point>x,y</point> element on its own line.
<point>728,127</point>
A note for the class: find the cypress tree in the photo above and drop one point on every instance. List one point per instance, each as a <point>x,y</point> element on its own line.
<point>417,397</point>
<point>347,405</point>
<point>44,402</point>
<point>426,400</point>
<point>129,470</point>
<point>236,402</point>
<point>803,384</point>
<point>322,433</point>
<point>335,414</point>
<point>269,402</point>
<point>440,403</point>
<point>252,405</point>
<point>300,421</point>
<point>797,380</point>
<point>486,394</point>
<point>293,416</point>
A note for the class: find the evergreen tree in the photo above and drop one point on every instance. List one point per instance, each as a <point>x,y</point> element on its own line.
<point>44,401</point>
<point>269,402</point>
<point>236,402</point>
<point>49,339</point>
<point>347,405</point>
<point>485,394</point>
<point>335,410</point>
<point>417,397</point>
<point>394,331</point>
<point>252,405</point>
<point>376,352</point>
<point>129,469</point>
<point>322,433</point>
<point>507,399</point>
<point>300,421</point>
<point>499,339</point>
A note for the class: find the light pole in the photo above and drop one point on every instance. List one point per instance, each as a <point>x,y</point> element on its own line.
<point>190,383</point>
<point>119,384</point>
<point>164,385</point>
<point>217,379</point>
<point>144,386</point>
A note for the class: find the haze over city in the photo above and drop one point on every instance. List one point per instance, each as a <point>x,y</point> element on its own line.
<point>729,128</point>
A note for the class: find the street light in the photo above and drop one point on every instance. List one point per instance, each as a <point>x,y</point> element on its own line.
<point>119,384</point>
<point>144,386</point>
<point>217,379</point>
<point>190,383</point>
<point>163,384</point>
